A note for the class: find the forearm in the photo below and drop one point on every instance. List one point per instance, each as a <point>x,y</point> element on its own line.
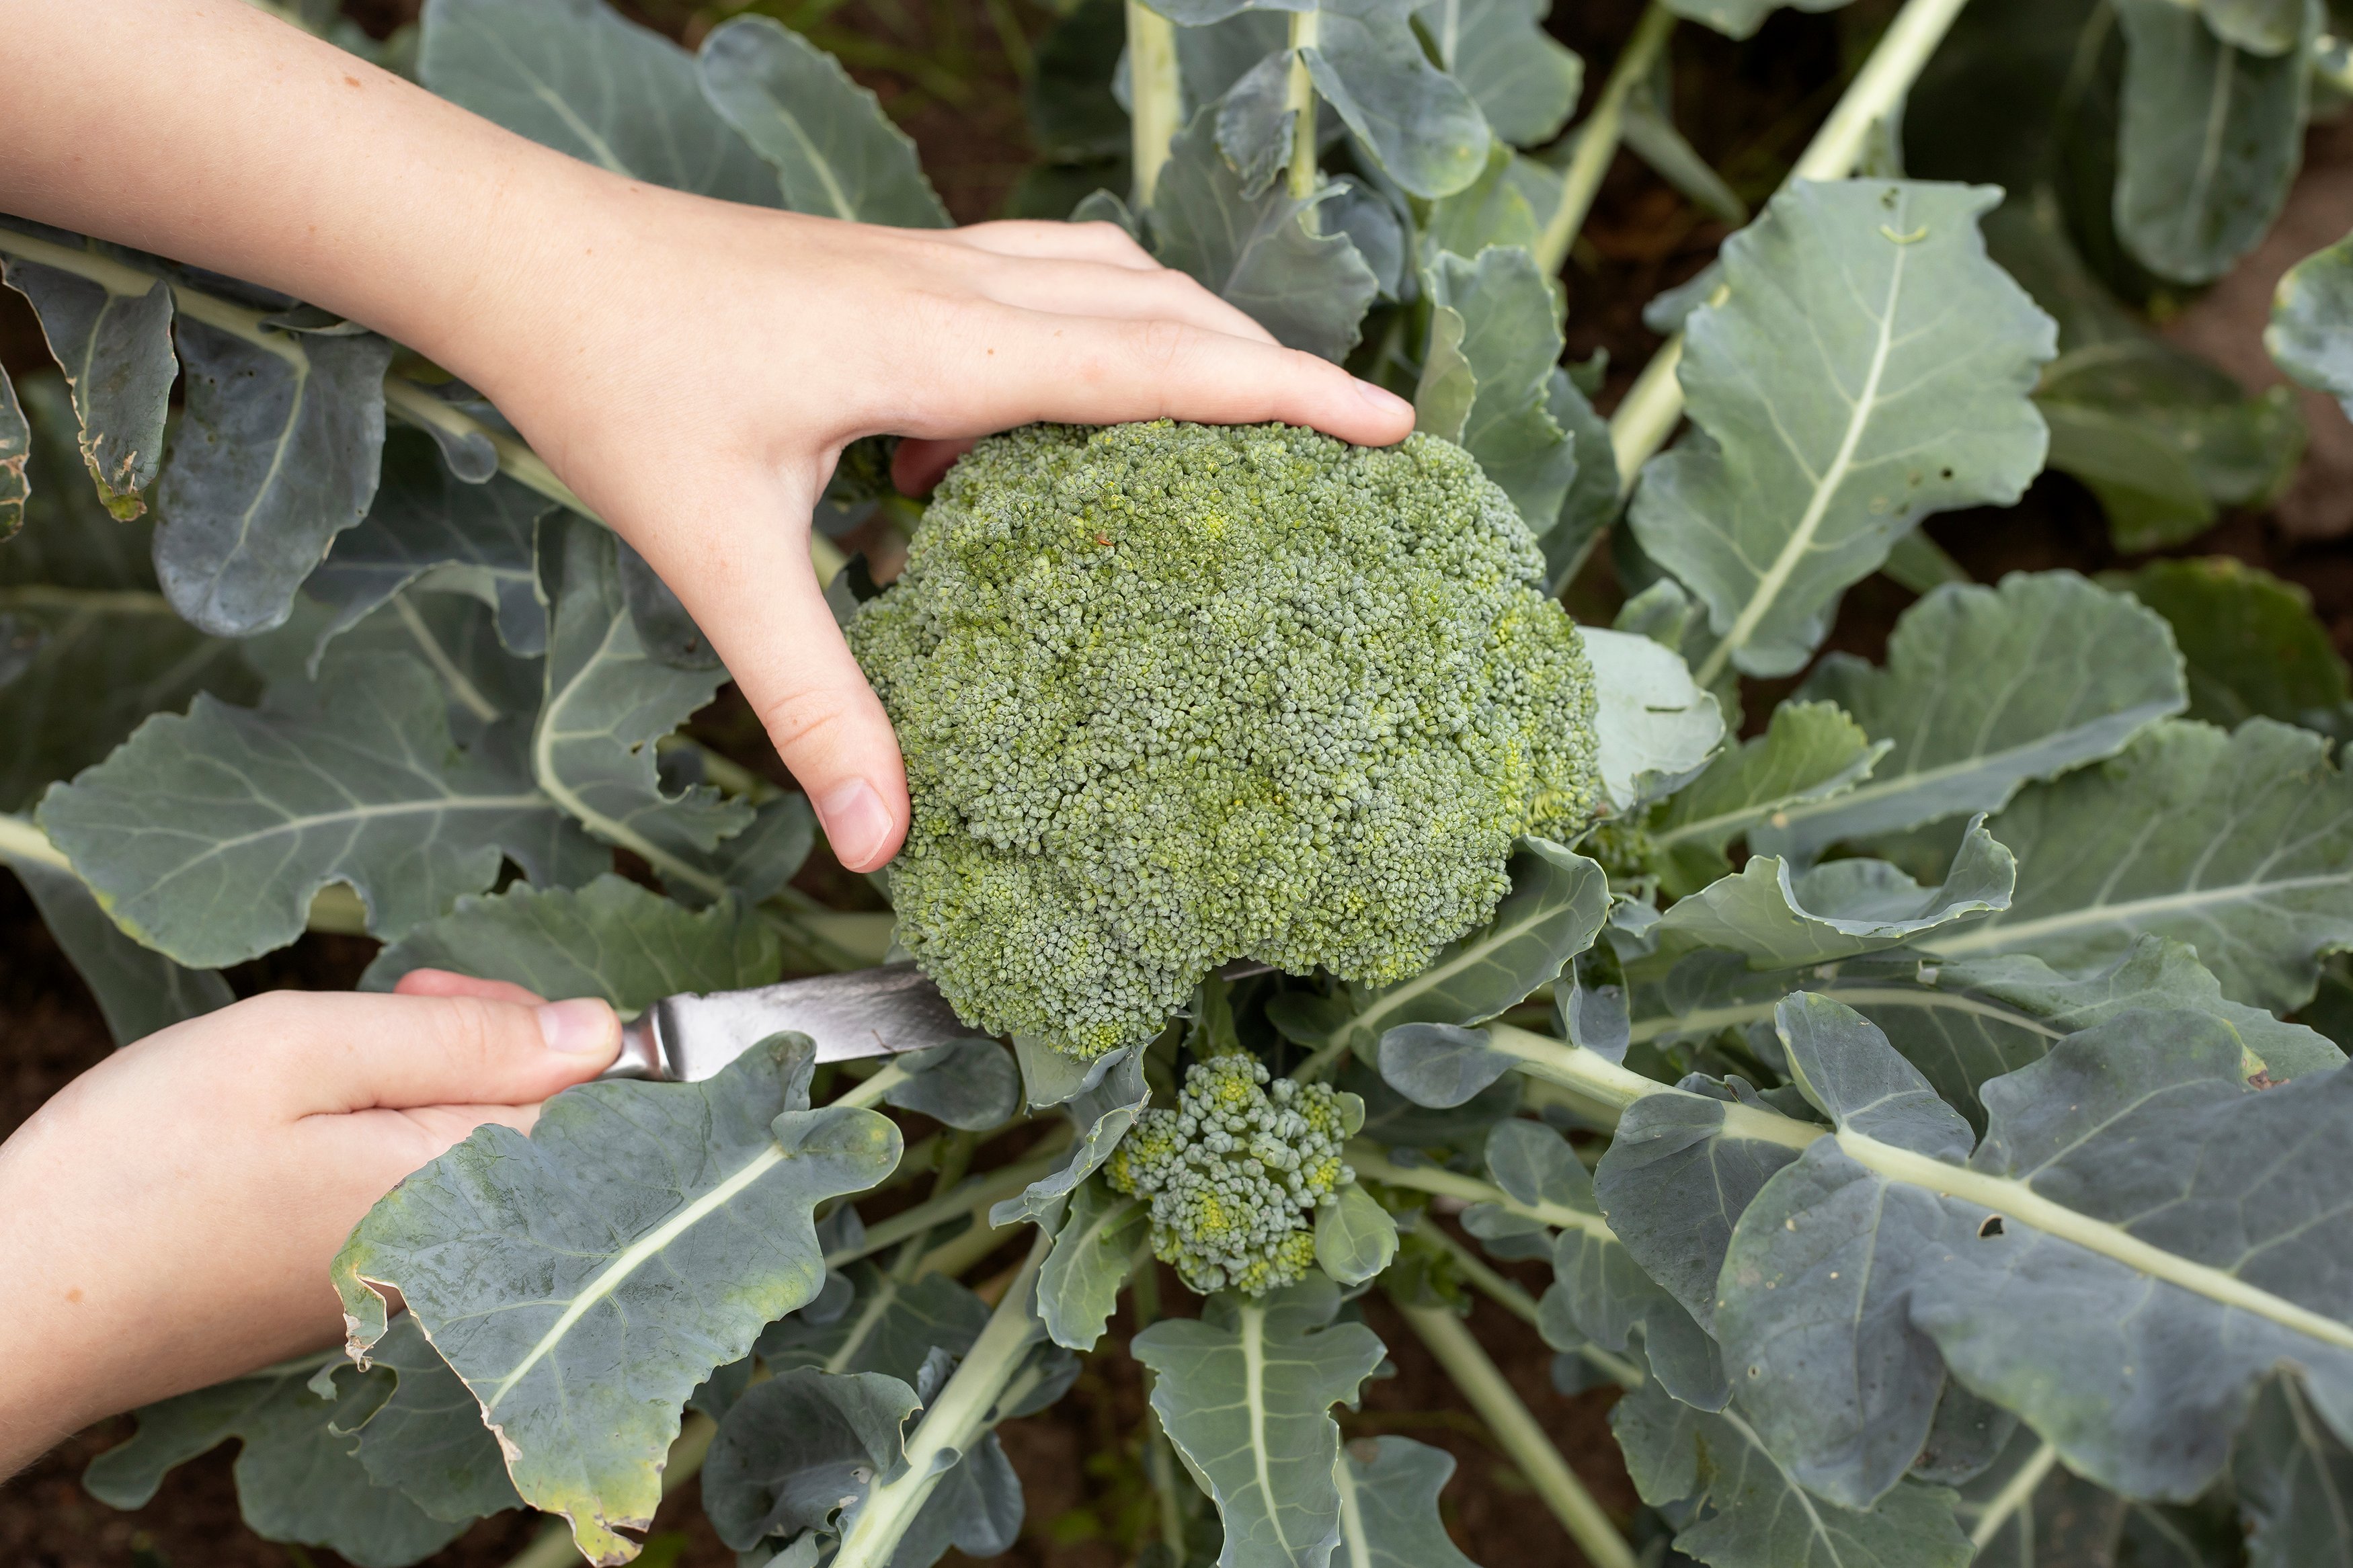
<point>211,132</point>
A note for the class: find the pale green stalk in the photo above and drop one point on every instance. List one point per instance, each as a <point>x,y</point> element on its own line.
<point>1598,138</point>
<point>1298,97</point>
<point>953,1422</point>
<point>1653,406</point>
<point>1159,1457</point>
<point>1526,1442</point>
<point>1155,92</point>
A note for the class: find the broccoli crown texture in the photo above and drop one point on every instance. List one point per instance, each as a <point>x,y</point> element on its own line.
<point>1171,695</point>
<point>1233,1173</point>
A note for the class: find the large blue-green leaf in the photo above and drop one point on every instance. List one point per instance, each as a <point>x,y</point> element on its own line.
<point>2139,1240</point>
<point>1265,254</point>
<point>610,938</point>
<point>206,836</point>
<point>1388,1505</point>
<point>2294,1481</point>
<point>1486,385</point>
<point>2251,642</point>
<point>585,1278</point>
<point>427,1440</point>
<point>1739,19</point>
<point>2240,844</point>
<point>278,454</point>
<point>1868,366</point>
<point>1811,751</point>
<point>98,649</point>
<point>138,989</point>
<point>1420,124</point>
<point>574,75</point>
<point>431,531</point>
<point>1780,919</point>
<point>2211,138</point>
<point>296,1478</point>
<point>609,699</point>
<point>2028,1512</point>
<point>890,1325</point>
<point>2311,330</point>
<point>1095,1253</point>
<point>1747,1511</point>
<point>836,154</point>
<point>1984,691</point>
<point>1245,1393</point>
<point>113,341</point>
<point>798,1447</point>
<point>1523,80</point>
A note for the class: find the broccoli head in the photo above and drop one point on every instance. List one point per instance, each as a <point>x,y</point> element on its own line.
<point>1172,695</point>
<point>1234,1173</point>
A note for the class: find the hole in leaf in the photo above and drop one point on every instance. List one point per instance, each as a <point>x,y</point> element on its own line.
<point>1990,1228</point>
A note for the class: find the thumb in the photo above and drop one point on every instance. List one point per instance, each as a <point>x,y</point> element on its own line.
<point>751,591</point>
<point>345,1052</point>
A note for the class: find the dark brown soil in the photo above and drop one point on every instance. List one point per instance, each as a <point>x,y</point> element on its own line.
<point>942,68</point>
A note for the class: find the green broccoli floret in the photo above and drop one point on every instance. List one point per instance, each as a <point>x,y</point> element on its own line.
<point>1171,695</point>
<point>1235,1174</point>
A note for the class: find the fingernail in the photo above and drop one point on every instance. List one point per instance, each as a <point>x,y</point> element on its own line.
<point>583,1024</point>
<point>1382,398</point>
<point>856,823</point>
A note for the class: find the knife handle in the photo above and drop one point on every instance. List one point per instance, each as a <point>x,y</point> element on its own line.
<point>642,1055</point>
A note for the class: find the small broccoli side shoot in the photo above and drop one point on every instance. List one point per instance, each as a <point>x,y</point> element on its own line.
<point>1235,1175</point>
<point>1171,695</point>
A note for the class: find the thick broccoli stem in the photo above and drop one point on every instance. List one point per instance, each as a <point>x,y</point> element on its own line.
<point>986,1381</point>
<point>1299,99</point>
<point>1155,92</point>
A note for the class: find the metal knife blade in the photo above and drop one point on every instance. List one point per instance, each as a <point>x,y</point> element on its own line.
<point>865,1013</point>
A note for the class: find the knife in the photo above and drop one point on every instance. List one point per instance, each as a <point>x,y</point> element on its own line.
<point>865,1013</point>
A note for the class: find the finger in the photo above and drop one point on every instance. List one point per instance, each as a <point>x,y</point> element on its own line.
<point>1090,289</point>
<point>446,982</point>
<point>746,581</point>
<point>336,1052</point>
<point>917,467</point>
<point>1023,366</point>
<point>1103,242</point>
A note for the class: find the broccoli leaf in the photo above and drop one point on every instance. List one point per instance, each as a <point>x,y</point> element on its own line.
<point>1811,751</point>
<point>113,340</point>
<point>2210,139</point>
<point>1260,254</point>
<point>1655,727</point>
<point>1102,1113</point>
<point>2293,1478</point>
<point>2240,843</point>
<point>1419,124</point>
<point>1984,691</point>
<point>15,452</point>
<point>836,154</point>
<point>1388,1505</point>
<point>205,837</point>
<point>795,1449</point>
<point>281,451</point>
<point>431,531</point>
<point>651,1228</point>
<point>1781,918</point>
<point>889,1325</point>
<point>1245,1394</point>
<point>138,989</point>
<point>2029,1510</point>
<point>2064,1270</point>
<point>1747,1511</point>
<point>1739,19</point>
<point>2252,644</point>
<point>575,76</point>
<point>1094,1254</point>
<point>1868,366</point>
<point>1494,343</point>
<point>427,1440</point>
<point>970,1084</point>
<point>296,1478</point>
<point>1525,81</point>
<point>610,938</point>
<point>609,699</point>
<point>2311,330</point>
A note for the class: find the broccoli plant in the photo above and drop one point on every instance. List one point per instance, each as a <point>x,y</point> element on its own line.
<point>1913,1086</point>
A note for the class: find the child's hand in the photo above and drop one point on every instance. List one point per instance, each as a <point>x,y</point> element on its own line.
<point>169,1217</point>
<point>691,367</point>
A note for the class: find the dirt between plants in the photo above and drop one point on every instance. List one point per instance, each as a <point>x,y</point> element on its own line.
<point>1748,111</point>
